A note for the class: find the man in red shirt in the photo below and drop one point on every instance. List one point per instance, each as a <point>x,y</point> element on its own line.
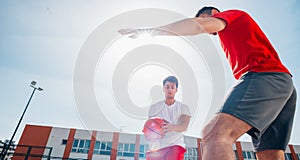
<point>262,102</point>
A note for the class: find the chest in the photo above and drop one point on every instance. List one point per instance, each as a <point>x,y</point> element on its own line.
<point>170,114</point>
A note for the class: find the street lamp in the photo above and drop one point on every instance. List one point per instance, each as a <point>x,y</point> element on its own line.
<point>32,84</point>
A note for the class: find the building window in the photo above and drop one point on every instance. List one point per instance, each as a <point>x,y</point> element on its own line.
<point>103,148</point>
<point>191,154</point>
<point>81,146</point>
<point>249,155</point>
<point>64,142</point>
<point>126,150</point>
<point>143,149</point>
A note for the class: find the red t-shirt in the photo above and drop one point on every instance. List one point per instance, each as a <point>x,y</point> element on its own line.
<point>246,47</point>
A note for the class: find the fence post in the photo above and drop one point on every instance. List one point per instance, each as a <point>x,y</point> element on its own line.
<point>28,152</point>
<point>49,155</point>
<point>2,156</point>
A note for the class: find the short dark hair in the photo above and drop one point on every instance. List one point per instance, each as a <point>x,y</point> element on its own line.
<point>172,79</point>
<point>206,10</point>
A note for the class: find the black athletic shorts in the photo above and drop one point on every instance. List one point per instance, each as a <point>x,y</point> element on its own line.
<point>267,102</point>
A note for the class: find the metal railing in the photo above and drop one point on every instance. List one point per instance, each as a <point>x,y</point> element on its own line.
<point>25,151</point>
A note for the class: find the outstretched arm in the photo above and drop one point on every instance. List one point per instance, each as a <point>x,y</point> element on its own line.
<point>185,27</point>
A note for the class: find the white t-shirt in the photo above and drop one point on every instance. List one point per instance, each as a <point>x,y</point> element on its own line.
<point>170,114</point>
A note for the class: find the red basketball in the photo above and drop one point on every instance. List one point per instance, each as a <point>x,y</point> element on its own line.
<point>153,130</point>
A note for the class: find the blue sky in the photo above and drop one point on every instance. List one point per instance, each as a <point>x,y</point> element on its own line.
<point>40,40</point>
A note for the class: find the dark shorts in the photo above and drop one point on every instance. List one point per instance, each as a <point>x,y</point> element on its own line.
<point>267,102</point>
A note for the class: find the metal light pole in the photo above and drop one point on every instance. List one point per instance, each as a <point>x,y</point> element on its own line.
<point>32,84</point>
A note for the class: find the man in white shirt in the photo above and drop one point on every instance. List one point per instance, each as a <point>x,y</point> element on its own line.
<point>177,115</point>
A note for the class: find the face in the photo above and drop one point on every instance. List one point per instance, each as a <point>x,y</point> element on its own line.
<point>170,90</point>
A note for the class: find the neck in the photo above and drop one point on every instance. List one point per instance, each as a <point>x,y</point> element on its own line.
<point>170,101</point>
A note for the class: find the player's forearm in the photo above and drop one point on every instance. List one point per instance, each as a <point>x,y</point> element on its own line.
<point>183,27</point>
<point>181,127</point>
<point>183,123</point>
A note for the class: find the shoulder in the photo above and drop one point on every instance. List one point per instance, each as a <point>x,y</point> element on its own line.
<point>231,16</point>
<point>230,13</point>
<point>183,108</point>
<point>233,11</point>
<point>180,104</point>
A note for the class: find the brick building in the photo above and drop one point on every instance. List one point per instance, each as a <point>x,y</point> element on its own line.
<point>46,142</point>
